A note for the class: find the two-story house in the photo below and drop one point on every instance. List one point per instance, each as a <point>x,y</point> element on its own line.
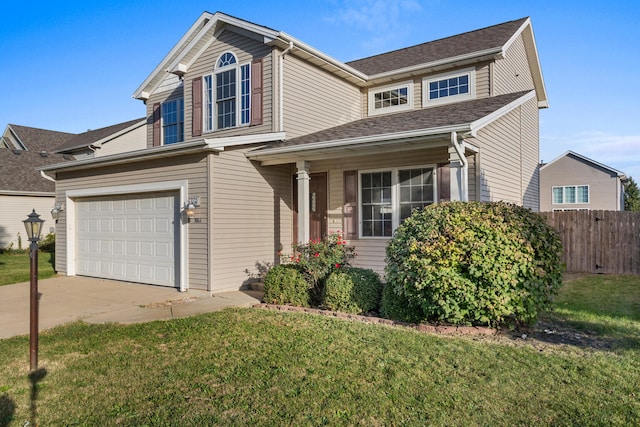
<point>256,139</point>
<point>573,182</point>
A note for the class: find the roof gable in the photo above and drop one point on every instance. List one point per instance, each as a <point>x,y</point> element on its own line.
<point>37,140</point>
<point>586,160</point>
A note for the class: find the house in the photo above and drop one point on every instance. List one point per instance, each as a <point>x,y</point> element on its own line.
<point>256,139</point>
<point>22,187</point>
<point>23,149</point>
<point>575,182</point>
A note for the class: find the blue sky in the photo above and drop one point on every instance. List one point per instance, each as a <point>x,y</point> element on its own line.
<point>73,65</point>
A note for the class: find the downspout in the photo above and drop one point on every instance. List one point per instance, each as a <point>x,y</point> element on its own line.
<point>464,178</point>
<point>281,76</point>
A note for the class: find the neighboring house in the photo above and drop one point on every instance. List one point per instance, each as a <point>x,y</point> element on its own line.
<point>23,149</point>
<point>575,182</point>
<point>274,142</point>
<point>22,187</point>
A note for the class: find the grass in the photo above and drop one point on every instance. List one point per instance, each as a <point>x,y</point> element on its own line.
<point>254,367</point>
<point>14,267</point>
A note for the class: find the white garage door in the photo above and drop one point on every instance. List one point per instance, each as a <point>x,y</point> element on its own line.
<point>129,237</point>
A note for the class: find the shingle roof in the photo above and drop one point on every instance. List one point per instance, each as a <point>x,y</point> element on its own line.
<point>37,140</point>
<point>87,138</point>
<point>459,113</point>
<point>19,170</point>
<point>450,47</point>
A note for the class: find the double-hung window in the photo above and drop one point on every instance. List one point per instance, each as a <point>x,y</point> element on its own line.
<point>388,197</point>
<point>570,194</point>
<point>227,94</point>
<point>173,121</point>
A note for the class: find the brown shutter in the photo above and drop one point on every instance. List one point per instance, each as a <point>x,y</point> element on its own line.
<point>444,179</point>
<point>156,125</point>
<point>256,92</point>
<point>350,212</point>
<point>196,107</point>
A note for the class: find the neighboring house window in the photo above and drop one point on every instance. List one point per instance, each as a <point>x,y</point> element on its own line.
<point>388,197</point>
<point>450,87</point>
<point>570,194</point>
<point>391,98</point>
<point>227,94</point>
<point>173,121</point>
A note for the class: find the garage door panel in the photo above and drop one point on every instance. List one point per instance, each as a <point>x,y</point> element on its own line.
<point>130,237</point>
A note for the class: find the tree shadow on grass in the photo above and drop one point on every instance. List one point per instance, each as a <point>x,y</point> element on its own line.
<point>7,410</point>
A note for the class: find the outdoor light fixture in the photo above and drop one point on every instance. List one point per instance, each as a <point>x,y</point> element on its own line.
<point>190,208</point>
<point>33,225</point>
<point>56,211</point>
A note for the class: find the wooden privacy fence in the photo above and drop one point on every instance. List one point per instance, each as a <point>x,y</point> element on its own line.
<point>599,241</point>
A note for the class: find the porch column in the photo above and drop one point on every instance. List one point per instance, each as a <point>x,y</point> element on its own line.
<point>303,200</point>
<point>459,182</point>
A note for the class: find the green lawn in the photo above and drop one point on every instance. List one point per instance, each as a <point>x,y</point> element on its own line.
<point>258,367</point>
<point>14,267</point>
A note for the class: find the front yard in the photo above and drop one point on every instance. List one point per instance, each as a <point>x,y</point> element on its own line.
<point>14,267</point>
<point>579,366</point>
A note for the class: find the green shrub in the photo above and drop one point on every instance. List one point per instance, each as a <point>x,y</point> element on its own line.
<point>352,290</point>
<point>284,284</point>
<point>475,263</point>
<point>395,305</point>
<point>317,259</point>
<point>48,243</point>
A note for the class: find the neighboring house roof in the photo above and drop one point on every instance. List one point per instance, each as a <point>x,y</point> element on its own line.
<point>19,174</point>
<point>99,136</point>
<point>468,116</point>
<point>570,153</point>
<point>34,139</point>
<point>488,43</point>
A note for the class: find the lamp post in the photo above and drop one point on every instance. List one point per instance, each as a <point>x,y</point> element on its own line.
<point>33,225</point>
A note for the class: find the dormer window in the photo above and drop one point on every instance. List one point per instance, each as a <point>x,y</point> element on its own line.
<point>227,94</point>
<point>450,87</point>
<point>391,98</point>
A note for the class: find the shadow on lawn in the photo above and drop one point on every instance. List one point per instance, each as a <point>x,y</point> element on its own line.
<point>7,410</point>
<point>35,377</point>
<point>553,330</point>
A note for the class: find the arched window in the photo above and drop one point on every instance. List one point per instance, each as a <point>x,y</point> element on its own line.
<point>227,94</point>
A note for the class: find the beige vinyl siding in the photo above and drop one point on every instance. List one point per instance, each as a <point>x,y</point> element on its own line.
<point>246,50</point>
<point>15,209</point>
<point>512,74</point>
<point>130,141</point>
<point>509,157</point>
<point>483,81</point>
<point>315,99</point>
<point>371,251</point>
<point>572,171</point>
<point>189,167</point>
<point>251,217</point>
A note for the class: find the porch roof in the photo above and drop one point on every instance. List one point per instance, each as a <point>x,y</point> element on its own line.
<point>392,131</point>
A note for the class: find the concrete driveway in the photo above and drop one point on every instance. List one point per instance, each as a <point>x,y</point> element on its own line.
<point>67,299</point>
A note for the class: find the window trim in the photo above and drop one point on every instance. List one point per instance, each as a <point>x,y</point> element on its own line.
<point>180,106</point>
<point>395,194</point>
<point>210,103</point>
<point>394,108</point>
<point>564,187</point>
<point>427,102</point>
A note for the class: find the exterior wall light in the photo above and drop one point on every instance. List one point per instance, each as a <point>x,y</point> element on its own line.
<point>56,211</point>
<point>190,209</point>
<point>33,225</point>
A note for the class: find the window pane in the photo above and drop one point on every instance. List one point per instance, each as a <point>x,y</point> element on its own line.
<point>173,121</point>
<point>557,195</point>
<point>570,194</point>
<point>245,90</point>
<point>376,203</point>
<point>583,194</point>
<point>416,192</point>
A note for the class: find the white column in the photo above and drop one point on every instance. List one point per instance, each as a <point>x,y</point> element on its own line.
<point>303,200</point>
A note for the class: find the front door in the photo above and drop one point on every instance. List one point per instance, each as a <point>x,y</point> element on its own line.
<point>317,205</point>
